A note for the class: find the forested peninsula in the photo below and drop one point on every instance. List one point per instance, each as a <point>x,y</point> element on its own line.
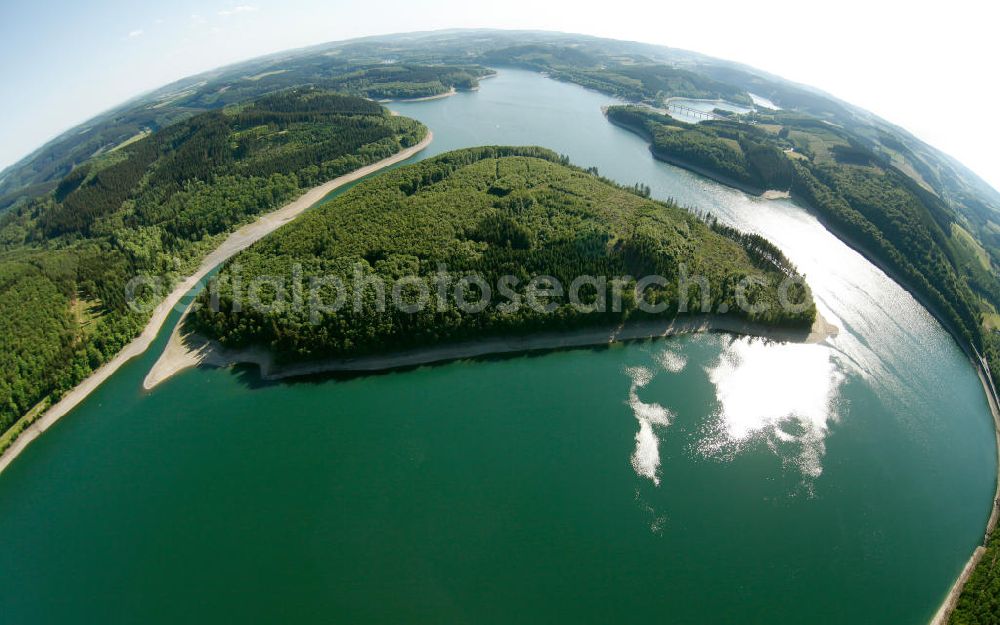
<point>496,214</point>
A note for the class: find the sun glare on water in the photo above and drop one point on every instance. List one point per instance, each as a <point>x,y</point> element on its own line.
<point>781,394</point>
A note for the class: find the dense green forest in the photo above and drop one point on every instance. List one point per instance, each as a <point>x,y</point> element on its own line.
<point>153,208</point>
<point>979,603</point>
<point>733,152</point>
<point>491,212</point>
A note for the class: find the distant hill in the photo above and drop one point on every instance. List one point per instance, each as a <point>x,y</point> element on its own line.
<point>409,65</point>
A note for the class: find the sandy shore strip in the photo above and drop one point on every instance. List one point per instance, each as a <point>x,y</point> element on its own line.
<point>236,242</point>
<point>186,350</point>
<point>774,194</point>
<point>426,98</point>
<point>944,612</point>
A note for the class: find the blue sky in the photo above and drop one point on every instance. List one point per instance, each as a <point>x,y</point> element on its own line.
<point>64,61</point>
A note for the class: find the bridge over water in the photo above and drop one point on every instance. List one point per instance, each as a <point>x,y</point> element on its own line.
<point>692,112</point>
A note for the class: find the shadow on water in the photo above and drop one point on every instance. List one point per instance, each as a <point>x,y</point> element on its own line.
<point>249,374</point>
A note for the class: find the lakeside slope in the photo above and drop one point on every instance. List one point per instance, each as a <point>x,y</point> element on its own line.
<point>234,243</point>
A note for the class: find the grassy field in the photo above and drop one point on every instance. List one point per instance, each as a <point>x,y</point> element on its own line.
<point>274,72</point>
<point>968,244</point>
<point>991,321</point>
<point>142,134</point>
<point>86,312</point>
<point>818,143</point>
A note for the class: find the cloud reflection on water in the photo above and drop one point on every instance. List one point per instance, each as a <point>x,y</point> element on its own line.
<point>646,457</point>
